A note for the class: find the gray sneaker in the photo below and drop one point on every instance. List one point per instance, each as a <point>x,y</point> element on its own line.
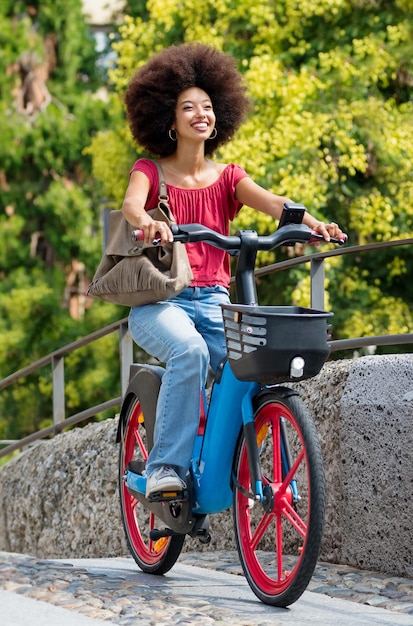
<point>164,480</point>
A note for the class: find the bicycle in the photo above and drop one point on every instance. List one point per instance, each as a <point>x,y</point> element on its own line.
<point>262,456</point>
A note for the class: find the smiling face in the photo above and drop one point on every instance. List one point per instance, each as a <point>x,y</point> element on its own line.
<point>194,115</point>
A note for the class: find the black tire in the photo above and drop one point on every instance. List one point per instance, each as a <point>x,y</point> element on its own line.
<point>279,541</point>
<point>153,557</point>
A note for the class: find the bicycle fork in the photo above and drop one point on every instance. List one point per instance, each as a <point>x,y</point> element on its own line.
<point>253,453</point>
<point>252,447</point>
<point>286,461</point>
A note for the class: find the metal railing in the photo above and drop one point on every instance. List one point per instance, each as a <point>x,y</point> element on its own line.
<point>56,359</point>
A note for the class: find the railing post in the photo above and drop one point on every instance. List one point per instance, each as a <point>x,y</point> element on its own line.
<point>317,283</point>
<point>58,373</point>
<point>126,355</point>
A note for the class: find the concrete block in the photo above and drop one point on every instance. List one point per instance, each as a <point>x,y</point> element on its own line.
<point>376,442</point>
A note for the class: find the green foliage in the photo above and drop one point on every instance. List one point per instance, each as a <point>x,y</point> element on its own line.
<point>33,301</point>
<point>113,154</point>
<point>50,205</point>
<point>32,324</point>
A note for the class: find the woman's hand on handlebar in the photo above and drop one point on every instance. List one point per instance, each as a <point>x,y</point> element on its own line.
<point>328,231</point>
<point>154,232</point>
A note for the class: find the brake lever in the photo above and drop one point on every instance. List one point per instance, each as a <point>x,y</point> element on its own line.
<point>317,238</point>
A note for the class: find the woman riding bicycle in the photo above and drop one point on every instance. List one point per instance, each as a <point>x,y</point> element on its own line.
<point>182,105</point>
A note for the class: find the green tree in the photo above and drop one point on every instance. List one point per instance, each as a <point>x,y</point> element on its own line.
<point>331,83</point>
<point>50,204</point>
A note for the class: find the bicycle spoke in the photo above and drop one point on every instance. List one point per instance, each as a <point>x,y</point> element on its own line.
<point>141,444</point>
<point>260,530</point>
<point>291,474</point>
<point>279,545</point>
<point>295,520</point>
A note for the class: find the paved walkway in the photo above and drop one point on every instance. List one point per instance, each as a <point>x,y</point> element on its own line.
<point>201,589</point>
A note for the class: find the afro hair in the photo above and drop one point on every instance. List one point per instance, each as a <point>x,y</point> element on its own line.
<point>153,92</point>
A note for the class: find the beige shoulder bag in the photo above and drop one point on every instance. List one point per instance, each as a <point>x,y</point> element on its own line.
<point>133,275</point>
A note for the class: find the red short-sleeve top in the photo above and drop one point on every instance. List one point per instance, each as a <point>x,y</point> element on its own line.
<point>213,206</point>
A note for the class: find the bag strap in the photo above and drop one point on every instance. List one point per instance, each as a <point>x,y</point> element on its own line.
<point>163,193</point>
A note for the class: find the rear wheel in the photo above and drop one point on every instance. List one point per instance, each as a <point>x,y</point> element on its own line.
<point>279,541</point>
<point>154,557</point>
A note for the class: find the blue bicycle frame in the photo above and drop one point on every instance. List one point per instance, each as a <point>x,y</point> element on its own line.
<point>230,407</point>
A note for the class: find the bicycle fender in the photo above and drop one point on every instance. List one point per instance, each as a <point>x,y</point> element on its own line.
<point>122,415</point>
<point>144,383</point>
<point>279,390</point>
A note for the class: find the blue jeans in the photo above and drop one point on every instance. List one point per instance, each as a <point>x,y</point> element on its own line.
<point>187,334</point>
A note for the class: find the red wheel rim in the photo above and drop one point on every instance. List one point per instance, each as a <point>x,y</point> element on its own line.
<point>280,519</point>
<point>139,521</point>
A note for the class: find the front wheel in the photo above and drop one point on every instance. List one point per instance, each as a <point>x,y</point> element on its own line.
<point>153,557</point>
<point>279,540</point>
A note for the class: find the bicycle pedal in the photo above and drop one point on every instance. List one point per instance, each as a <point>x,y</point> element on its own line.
<point>168,496</point>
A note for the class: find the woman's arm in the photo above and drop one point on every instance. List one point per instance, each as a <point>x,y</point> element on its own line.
<point>133,209</point>
<point>251,194</point>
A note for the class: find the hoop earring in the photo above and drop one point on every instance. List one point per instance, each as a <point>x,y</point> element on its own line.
<point>213,134</point>
<point>171,137</point>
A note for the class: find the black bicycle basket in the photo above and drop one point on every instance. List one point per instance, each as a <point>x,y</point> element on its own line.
<point>273,344</point>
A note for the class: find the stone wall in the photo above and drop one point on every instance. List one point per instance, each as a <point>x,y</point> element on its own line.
<point>60,499</point>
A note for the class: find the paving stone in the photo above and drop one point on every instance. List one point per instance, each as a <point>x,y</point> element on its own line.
<point>126,604</point>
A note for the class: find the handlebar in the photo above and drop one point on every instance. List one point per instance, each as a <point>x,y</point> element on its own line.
<point>290,233</point>
<point>244,244</point>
